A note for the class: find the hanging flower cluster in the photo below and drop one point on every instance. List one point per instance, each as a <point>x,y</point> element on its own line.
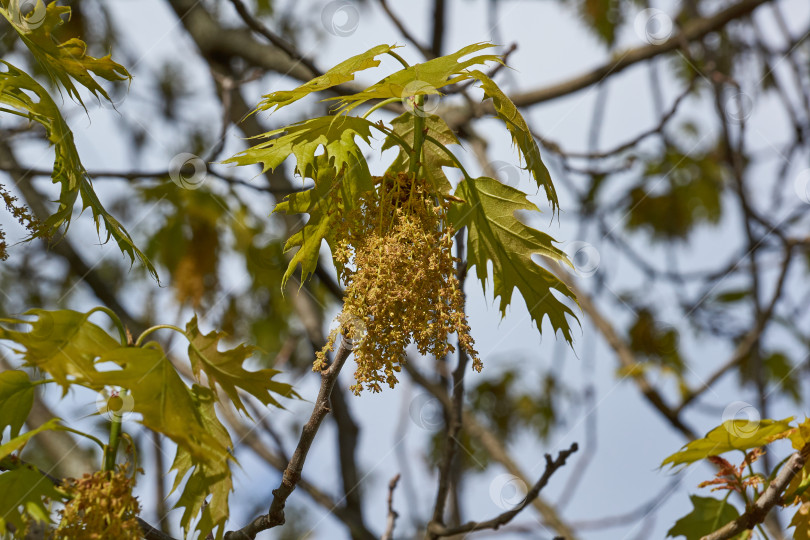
<point>102,506</point>
<point>394,253</point>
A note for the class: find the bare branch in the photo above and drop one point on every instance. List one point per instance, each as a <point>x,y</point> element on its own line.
<point>693,30</point>
<point>551,467</point>
<point>256,25</point>
<point>392,514</point>
<point>426,52</point>
<point>292,473</point>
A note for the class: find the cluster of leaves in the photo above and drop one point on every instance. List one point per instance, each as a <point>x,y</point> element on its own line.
<point>67,64</point>
<point>72,351</point>
<point>326,150</point>
<point>749,438</point>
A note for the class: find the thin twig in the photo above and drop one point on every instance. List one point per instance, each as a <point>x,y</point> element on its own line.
<point>292,474</point>
<point>552,465</point>
<point>392,514</point>
<point>255,25</point>
<point>426,52</point>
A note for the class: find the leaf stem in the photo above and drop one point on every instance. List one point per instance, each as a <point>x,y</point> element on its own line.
<point>111,450</point>
<point>158,327</point>
<point>450,154</point>
<point>401,60</point>
<point>418,134</point>
<point>382,103</point>
<point>83,434</point>
<point>114,318</point>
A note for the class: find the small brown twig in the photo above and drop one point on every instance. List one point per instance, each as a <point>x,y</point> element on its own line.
<point>552,465</point>
<point>292,473</point>
<point>392,514</point>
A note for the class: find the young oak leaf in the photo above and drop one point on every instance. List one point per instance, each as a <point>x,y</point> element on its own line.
<point>64,61</point>
<point>16,89</point>
<point>421,79</point>
<point>433,157</point>
<point>225,369</point>
<point>339,74</point>
<point>522,137</point>
<point>731,435</point>
<point>707,516</point>
<point>325,203</point>
<point>336,134</point>
<point>801,520</point>
<point>25,487</point>
<point>62,343</point>
<point>19,441</point>
<point>209,478</point>
<point>161,397</point>
<point>801,482</point>
<point>16,400</point>
<point>495,235</point>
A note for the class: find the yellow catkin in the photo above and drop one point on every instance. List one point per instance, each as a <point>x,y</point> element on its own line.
<point>395,251</point>
<point>101,507</point>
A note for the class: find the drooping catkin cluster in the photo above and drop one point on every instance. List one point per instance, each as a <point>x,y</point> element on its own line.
<point>395,255</point>
<point>101,507</point>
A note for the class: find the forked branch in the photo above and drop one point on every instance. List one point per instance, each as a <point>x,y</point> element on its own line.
<point>552,465</point>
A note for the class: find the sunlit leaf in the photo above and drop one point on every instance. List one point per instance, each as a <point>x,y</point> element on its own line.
<point>16,89</point>
<point>495,235</point>
<point>731,435</point>
<point>24,491</point>
<point>62,343</point>
<point>707,516</point>
<point>160,396</point>
<point>335,134</point>
<point>433,157</point>
<point>16,399</point>
<point>339,74</point>
<point>19,441</point>
<point>522,136</point>
<point>66,61</point>
<point>422,79</point>
<point>208,478</point>
<point>325,203</point>
<point>225,368</point>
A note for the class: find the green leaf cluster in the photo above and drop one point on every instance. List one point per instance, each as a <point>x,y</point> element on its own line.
<point>67,64</point>
<point>74,351</point>
<point>325,150</point>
